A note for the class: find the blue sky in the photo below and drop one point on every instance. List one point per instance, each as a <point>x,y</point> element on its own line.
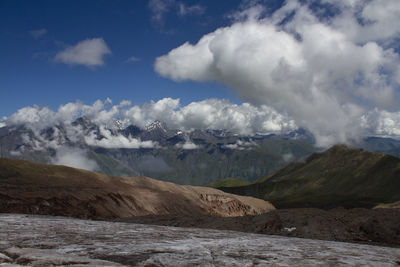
<point>329,66</point>
<point>29,74</point>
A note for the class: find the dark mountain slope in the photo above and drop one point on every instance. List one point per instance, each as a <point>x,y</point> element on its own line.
<point>340,176</point>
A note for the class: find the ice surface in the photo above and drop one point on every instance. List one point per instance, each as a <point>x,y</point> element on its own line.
<point>44,240</point>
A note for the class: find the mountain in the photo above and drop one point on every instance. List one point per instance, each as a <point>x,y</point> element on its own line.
<point>340,176</point>
<point>33,188</point>
<point>197,157</point>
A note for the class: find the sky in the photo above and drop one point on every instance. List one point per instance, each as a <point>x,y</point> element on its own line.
<point>33,33</point>
<point>329,66</point>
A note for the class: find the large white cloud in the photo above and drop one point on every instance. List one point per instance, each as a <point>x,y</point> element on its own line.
<point>323,73</point>
<point>89,52</point>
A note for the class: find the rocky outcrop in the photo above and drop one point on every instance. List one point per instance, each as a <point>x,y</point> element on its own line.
<point>27,187</point>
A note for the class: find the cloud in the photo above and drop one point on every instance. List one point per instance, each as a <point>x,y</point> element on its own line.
<point>38,33</point>
<point>15,153</point>
<point>211,114</point>
<point>89,52</point>
<point>382,123</point>
<point>323,72</point>
<point>54,128</point>
<point>188,145</point>
<point>241,145</point>
<point>185,10</point>
<point>160,8</point>
<point>74,157</point>
<point>109,140</point>
<point>132,59</point>
<point>288,157</point>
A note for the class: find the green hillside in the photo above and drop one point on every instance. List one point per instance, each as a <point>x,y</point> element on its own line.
<point>340,176</point>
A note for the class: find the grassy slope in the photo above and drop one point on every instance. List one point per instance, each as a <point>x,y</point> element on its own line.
<point>340,176</point>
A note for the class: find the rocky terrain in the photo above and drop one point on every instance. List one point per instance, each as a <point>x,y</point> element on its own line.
<point>46,241</point>
<point>378,226</point>
<point>338,177</point>
<point>32,188</point>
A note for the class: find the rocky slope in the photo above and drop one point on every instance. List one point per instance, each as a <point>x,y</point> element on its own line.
<point>27,187</point>
<point>340,176</point>
<point>56,241</point>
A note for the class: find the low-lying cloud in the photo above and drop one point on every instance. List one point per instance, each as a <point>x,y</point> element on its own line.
<point>74,157</point>
<point>110,140</point>
<point>324,72</point>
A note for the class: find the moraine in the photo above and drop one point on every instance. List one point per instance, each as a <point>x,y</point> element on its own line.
<point>57,241</point>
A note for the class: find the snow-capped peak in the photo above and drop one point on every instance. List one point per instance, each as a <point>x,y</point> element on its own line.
<point>156,125</point>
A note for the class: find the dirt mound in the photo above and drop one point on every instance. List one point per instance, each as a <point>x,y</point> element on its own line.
<point>27,187</point>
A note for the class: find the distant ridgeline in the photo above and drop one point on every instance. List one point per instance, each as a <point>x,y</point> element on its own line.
<point>339,177</point>
<point>199,157</point>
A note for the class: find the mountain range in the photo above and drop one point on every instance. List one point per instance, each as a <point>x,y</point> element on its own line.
<point>197,157</point>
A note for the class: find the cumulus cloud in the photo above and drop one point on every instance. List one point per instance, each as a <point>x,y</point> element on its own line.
<point>74,157</point>
<point>324,72</point>
<point>89,52</point>
<point>243,119</point>
<point>38,33</point>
